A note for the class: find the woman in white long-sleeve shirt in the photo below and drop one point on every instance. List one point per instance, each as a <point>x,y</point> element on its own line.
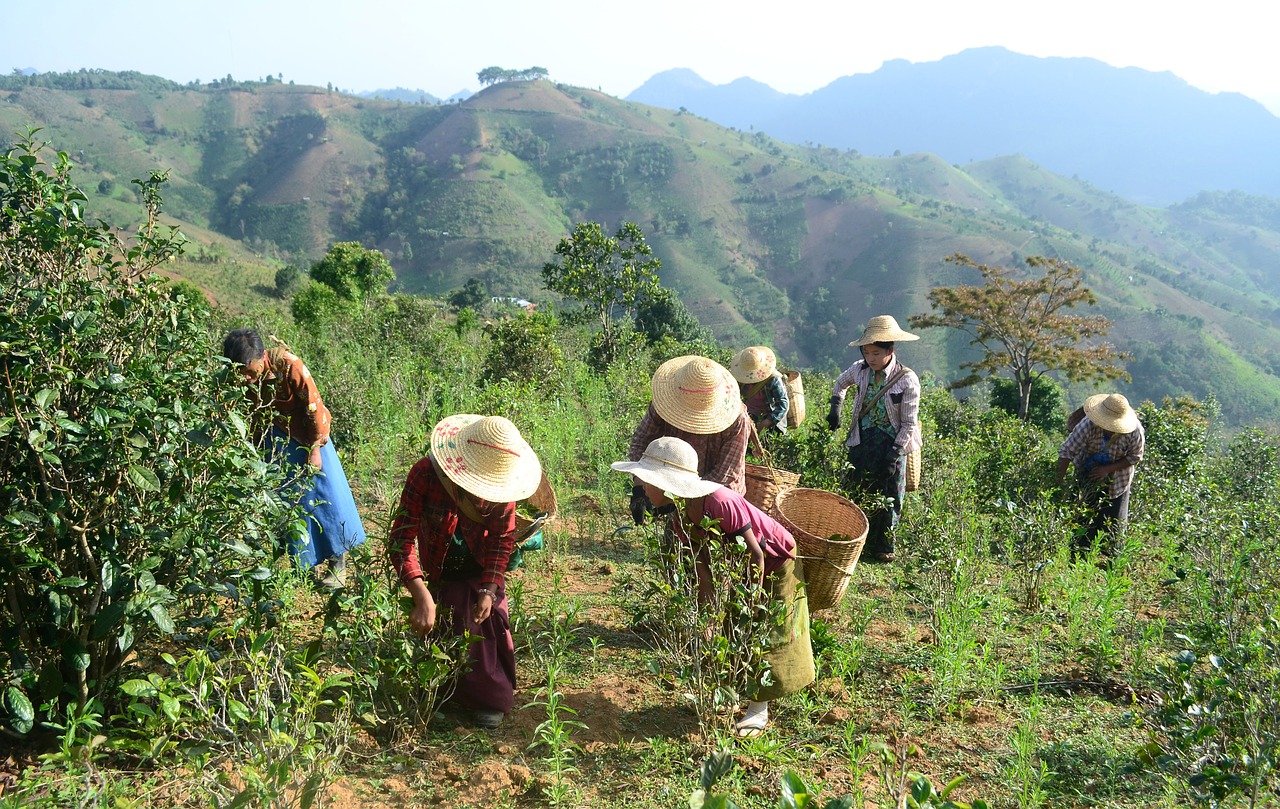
<point>885,427</point>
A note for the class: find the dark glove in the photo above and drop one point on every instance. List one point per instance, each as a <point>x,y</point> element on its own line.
<point>833,415</point>
<point>639,504</point>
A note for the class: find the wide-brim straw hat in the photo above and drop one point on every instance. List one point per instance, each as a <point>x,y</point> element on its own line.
<point>1111,412</point>
<point>487,456</point>
<point>696,395</point>
<point>754,364</point>
<point>672,465</point>
<point>883,329</point>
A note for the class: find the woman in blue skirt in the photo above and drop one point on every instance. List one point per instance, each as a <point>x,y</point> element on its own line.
<point>299,438</point>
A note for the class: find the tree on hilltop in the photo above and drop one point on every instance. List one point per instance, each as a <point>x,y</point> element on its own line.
<point>1022,325</point>
<point>495,74</point>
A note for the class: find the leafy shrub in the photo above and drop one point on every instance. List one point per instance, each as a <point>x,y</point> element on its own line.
<point>257,723</point>
<point>524,349</point>
<point>128,481</point>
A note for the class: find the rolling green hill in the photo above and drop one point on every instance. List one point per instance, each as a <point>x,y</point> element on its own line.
<point>791,245</point>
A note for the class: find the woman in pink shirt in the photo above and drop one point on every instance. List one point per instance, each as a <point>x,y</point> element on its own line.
<point>669,468</point>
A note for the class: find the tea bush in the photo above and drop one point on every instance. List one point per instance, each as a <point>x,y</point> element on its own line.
<point>131,489</point>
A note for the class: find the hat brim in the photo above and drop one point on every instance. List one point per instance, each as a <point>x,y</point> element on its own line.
<point>674,411</point>
<point>887,336</point>
<point>521,481</point>
<point>681,484</point>
<point>1093,410</point>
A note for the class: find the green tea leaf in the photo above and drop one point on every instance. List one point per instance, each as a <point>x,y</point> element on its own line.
<point>143,478</point>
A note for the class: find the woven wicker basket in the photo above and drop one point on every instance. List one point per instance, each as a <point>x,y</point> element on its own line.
<point>829,531</point>
<point>544,499</point>
<point>913,470</point>
<point>765,483</point>
<point>795,393</point>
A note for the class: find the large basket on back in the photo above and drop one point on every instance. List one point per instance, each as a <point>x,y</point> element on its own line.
<point>544,499</point>
<point>795,394</point>
<point>829,531</point>
<point>765,483</point>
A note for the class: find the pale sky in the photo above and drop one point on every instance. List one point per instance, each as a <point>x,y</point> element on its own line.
<point>796,47</point>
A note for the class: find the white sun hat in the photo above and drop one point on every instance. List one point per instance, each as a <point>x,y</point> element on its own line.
<point>672,465</point>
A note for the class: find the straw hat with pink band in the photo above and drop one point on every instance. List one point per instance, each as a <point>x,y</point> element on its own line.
<point>696,395</point>
<point>754,364</point>
<point>487,456</point>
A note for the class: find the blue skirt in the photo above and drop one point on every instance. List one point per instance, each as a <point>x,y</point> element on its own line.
<point>333,524</point>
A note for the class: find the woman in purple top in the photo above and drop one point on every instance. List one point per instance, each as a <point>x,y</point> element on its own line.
<point>669,468</point>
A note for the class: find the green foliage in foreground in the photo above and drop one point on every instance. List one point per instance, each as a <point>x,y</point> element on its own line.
<point>131,491</point>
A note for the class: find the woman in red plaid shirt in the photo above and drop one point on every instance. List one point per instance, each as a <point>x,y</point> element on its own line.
<point>451,541</point>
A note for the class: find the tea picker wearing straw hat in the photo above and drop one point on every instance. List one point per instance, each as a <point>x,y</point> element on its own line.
<point>696,400</point>
<point>669,466</point>
<point>1105,446</point>
<point>762,388</point>
<point>885,426</point>
<point>452,539</point>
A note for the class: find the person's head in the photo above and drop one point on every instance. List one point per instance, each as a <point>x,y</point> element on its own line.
<point>486,456</point>
<point>754,364</point>
<point>878,339</point>
<point>1111,412</point>
<point>245,349</point>
<point>668,465</point>
<point>696,395</point>
<point>878,354</point>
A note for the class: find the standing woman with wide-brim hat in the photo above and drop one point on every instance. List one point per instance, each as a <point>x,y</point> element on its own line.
<point>885,427</point>
<point>695,399</point>
<point>451,542</point>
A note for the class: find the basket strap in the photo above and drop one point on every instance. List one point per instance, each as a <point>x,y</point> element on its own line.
<point>888,383</point>
<point>764,454</point>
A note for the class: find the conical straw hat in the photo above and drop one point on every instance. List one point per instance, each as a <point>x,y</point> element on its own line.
<point>696,395</point>
<point>1111,412</point>
<point>883,329</point>
<point>487,456</point>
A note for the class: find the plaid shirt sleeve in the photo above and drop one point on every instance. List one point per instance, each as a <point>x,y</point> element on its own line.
<point>844,382</point>
<point>1075,443</point>
<point>730,454</point>
<point>649,428</point>
<point>909,411</point>
<point>407,525</point>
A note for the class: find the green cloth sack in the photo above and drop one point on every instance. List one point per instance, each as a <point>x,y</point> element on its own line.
<point>533,543</point>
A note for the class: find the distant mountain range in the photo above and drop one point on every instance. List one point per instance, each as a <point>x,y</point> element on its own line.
<point>413,96</point>
<point>764,241</point>
<point>1149,137</point>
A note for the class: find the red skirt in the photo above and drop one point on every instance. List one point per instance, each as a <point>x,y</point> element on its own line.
<point>489,682</point>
